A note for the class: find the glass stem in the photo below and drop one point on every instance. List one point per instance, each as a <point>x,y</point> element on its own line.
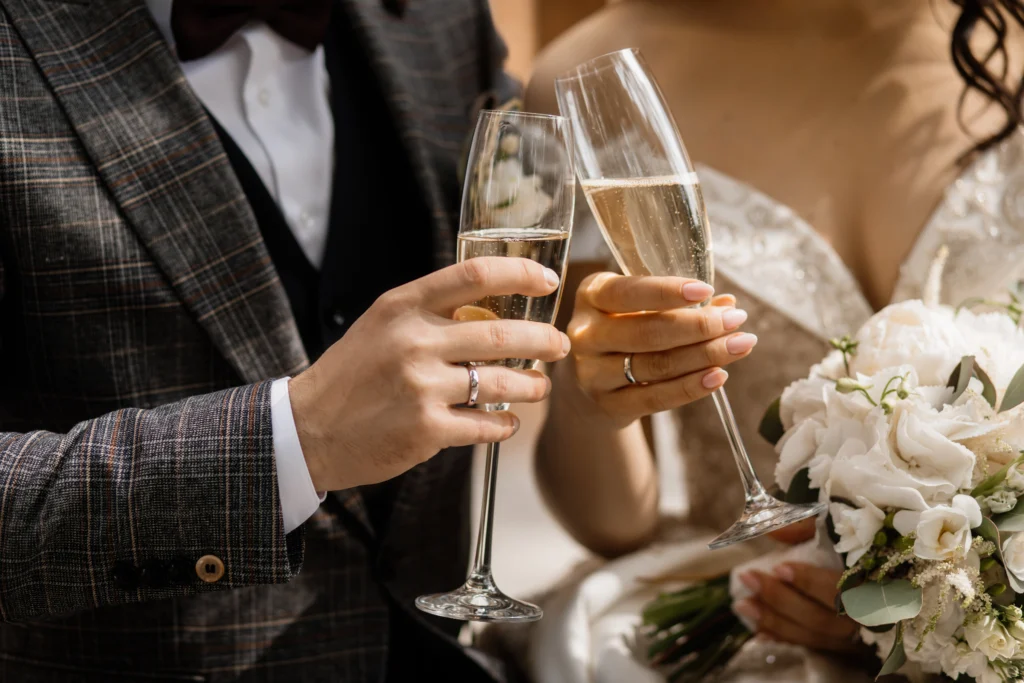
<point>751,483</point>
<point>482,557</point>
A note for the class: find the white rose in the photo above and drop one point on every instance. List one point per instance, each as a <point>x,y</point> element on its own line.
<point>856,528</point>
<point>925,446</point>
<point>943,532</point>
<point>1013,560</point>
<point>1000,501</point>
<point>989,637</point>
<point>911,333</point>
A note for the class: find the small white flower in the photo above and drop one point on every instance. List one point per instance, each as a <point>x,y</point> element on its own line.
<point>1016,630</point>
<point>1015,478</point>
<point>944,531</point>
<point>988,636</point>
<point>856,528</point>
<point>1000,501</point>
<point>1013,560</point>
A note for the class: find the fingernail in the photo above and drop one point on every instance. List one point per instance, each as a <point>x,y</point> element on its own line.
<point>515,423</point>
<point>697,291</point>
<point>566,344</point>
<point>733,318</point>
<point>714,379</point>
<point>741,343</point>
<point>751,581</point>
<point>785,572</point>
<point>551,277</point>
<point>747,609</point>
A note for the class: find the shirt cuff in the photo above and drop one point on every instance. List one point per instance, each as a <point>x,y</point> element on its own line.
<point>299,500</point>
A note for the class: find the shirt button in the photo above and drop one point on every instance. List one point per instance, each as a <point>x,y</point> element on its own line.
<point>263,96</point>
<point>209,568</point>
<point>337,319</point>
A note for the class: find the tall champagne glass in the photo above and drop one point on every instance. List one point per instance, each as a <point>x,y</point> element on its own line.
<point>642,189</point>
<point>517,201</point>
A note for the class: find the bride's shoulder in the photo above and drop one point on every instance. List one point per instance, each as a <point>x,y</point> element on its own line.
<point>606,30</point>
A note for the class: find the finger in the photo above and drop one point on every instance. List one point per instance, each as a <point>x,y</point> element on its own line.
<point>795,533</point>
<point>817,583</point>
<point>469,426</point>
<point>660,331</point>
<point>639,400</point>
<point>608,371</point>
<point>614,293</point>
<point>785,600</point>
<point>473,279</point>
<point>497,384</point>
<point>501,339</point>
<point>780,628</point>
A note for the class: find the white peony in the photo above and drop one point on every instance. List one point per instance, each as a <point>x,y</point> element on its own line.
<point>943,532</point>
<point>856,528</point>
<point>802,400</point>
<point>1013,560</point>
<point>988,636</point>
<point>911,333</point>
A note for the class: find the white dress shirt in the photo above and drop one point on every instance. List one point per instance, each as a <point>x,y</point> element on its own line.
<point>271,96</point>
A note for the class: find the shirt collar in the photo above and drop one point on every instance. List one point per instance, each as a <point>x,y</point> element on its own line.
<point>161,11</point>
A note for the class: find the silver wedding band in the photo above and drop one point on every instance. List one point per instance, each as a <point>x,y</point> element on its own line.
<point>474,386</point>
<point>627,369</point>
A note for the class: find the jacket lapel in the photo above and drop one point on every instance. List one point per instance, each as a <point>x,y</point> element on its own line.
<point>127,99</point>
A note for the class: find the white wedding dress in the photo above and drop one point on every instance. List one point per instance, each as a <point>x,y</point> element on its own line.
<point>799,295</point>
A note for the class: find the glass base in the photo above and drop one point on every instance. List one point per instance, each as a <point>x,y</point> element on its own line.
<point>761,515</point>
<point>479,600</point>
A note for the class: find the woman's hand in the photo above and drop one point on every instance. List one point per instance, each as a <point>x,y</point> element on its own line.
<point>795,533</point>
<point>678,351</point>
<point>797,605</point>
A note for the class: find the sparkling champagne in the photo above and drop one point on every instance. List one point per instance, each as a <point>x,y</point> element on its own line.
<point>547,247</point>
<point>654,226</point>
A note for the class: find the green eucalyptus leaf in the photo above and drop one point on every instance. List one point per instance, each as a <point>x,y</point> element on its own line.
<point>874,604</point>
<point>800,491</point>
<point>1014,395</point>
<point>990,483</point>
<point>897,656</point>
<point>960,377</point>
<point>988,391</point>
<point>1008,522</point>
<point>771,428</point>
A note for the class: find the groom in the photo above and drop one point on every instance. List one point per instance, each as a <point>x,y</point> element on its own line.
<point>196,196</point>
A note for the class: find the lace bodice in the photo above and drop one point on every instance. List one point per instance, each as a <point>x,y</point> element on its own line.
<point>800,294</point>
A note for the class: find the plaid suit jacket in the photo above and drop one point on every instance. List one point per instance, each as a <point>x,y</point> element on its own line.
<point>140,321</point>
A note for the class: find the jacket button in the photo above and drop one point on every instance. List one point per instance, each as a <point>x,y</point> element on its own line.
<point>209,568</point>
<point>126,575</point>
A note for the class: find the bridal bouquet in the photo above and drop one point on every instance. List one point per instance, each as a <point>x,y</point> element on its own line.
<point>912,431</point>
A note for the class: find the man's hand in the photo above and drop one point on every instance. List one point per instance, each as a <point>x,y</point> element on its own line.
<point>385,397</point>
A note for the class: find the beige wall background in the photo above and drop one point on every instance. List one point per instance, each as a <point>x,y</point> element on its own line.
<point>528,25</point>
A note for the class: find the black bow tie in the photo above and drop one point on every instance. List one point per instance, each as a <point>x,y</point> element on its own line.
<point>202,26</point>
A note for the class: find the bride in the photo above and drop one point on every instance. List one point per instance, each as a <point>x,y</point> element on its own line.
<point>837,152</point>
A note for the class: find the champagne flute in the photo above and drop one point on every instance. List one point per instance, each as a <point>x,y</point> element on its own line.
<point>517,201</point>
<point>641,187</point>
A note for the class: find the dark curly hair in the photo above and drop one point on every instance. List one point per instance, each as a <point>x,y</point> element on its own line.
<point>987,70</point>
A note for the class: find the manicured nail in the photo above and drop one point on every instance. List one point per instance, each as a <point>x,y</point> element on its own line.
<point>785,572</point>
<point>515,423</point>
<point>697,291</point>
<point>566,344</point>
<point>747,609</point>
<point>551,277</point>
<point>751,581</point>
<point>733,318</point>
<point>740,343</point>
<point>715,378</point>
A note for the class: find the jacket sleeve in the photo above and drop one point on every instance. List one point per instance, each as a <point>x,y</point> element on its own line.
<point>143,504</point>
